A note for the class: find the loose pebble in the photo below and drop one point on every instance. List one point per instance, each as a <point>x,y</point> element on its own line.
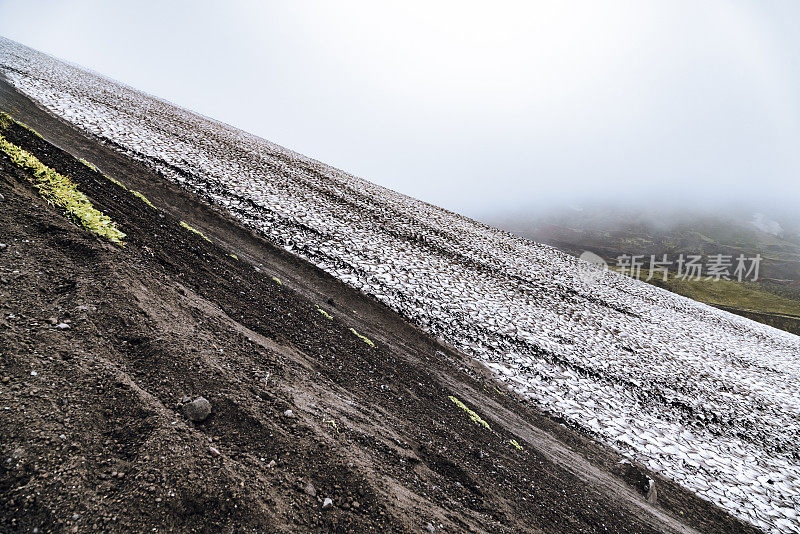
<point>197,410</point>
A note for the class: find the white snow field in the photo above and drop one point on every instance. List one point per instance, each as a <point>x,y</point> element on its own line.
<point>704,397</point>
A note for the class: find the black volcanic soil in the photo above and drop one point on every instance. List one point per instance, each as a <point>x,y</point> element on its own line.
<point>92,436</point>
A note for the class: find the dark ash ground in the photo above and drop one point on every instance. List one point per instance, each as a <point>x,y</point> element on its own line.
<point>92,437</point>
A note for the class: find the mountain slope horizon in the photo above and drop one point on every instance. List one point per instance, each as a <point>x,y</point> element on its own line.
<point>615,232</point>
<point>636,367</point>
<point>97,435</point>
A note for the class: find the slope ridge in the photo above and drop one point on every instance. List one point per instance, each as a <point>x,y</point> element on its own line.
<point>94,437</point>
<point>704,397</point>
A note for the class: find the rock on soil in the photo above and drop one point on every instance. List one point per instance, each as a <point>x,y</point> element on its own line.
<point>197,410</point>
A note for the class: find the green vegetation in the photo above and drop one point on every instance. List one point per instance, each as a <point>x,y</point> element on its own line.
<point>515,444</point>
<point>194,230</point>
<point>770,305</point>
<point>472,415</point>
<point>493,388</point>
<point>59,190</point>
<point>88,164</point>
<point>324,313</point>
<point>112,180</point>
<point>6,120</point>
<point>363,338</point>
<point>234,256</point>
<point>645,231</point>
<point>743,295</point>
<point>333,424</point>
<point>146,201</point>
<point>276,280</point>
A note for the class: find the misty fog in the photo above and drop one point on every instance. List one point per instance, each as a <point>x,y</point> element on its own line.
<point>485,110</point>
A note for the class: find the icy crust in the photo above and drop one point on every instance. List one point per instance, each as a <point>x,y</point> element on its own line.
<point>701,396</point>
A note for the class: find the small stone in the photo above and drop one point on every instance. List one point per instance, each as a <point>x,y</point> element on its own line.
<point>75,517</point>
<point>272,463</point>
<point>62,326</point>
<point>6,380</point>
<point>288,413</point>
<point>652,493</point>
<point>34,373</point>
<point>186,400</point>
<point>356,504</point>
<point>52,320</point>
<point>429,527</point>
<point>310,490</point>
<point>327,503</point>
<point>198,409</point>
<point>2,198</point>
<point>213,450</point>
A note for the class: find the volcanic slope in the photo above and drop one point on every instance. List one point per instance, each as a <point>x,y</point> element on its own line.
<point>101,344</point>
<point>703,397</point>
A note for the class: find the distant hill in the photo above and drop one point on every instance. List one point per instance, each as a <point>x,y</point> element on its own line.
<point>611,232</point>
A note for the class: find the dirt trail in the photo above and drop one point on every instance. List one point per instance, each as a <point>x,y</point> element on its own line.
<point>92,436</point>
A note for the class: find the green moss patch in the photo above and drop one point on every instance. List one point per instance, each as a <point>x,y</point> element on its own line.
<point>60,191</point>
<point>6,120</point>
<point>324,313</point>
<point>194,230</point>
<point>146,201</point>
<point>363,338</point>
<point>472,415</point>
<point>88,164</point>
<point>333,423</point>
<point>113,181</point>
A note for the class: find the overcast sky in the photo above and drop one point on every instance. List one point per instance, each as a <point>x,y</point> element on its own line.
<point>477,107</point>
